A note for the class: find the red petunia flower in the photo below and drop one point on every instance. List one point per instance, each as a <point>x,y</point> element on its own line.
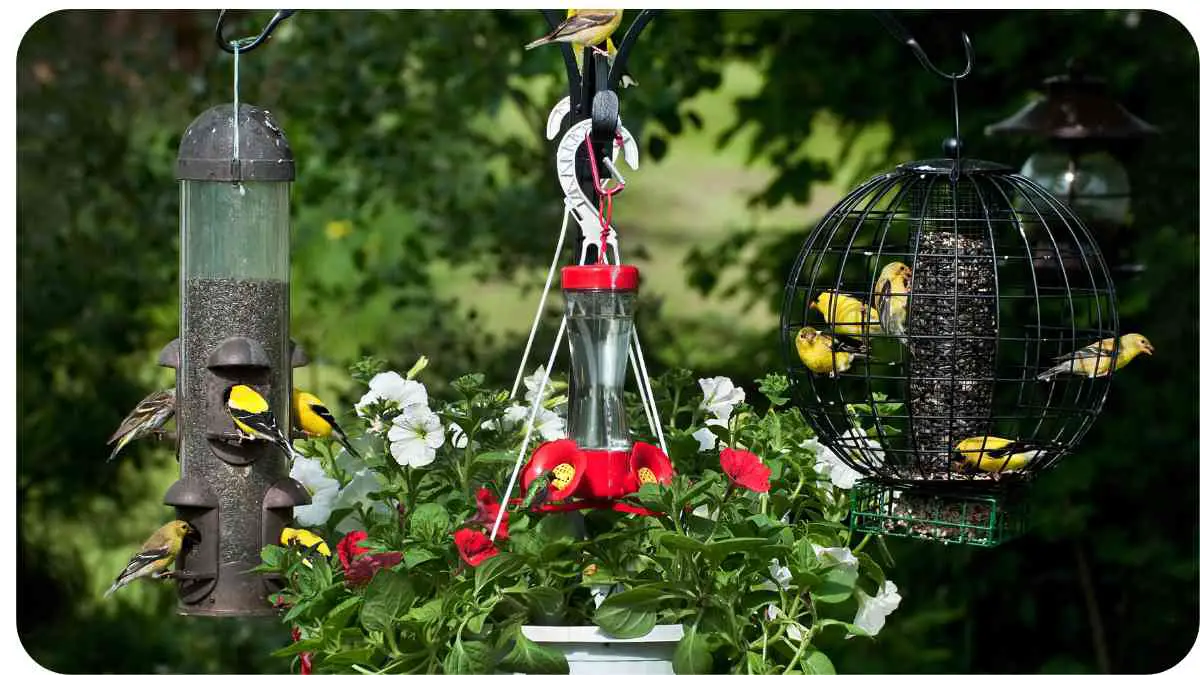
<point>363,568</point>
<point>745,469</point>
<point>474,546</point>
<point>486,508</point>
<point>348,548</point>
<point>305,663</point>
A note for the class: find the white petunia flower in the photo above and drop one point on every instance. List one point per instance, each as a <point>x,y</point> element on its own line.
<point>873,610</point>
<point>708,440</point>
<point>719,398</point>
<point>534,381</point>
<point>781,576</point>
<point>415,436</point>
<point>867,450</point>
<point>795,631</point>
<point>829,465</point>
<point>839,556</point>
<point>393,388</point>
<point>546,424</point>
<point>362,483</point>
<point>321,488</point>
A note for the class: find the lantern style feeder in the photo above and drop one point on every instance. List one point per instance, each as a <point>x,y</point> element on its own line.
<point>235,171</point>
<point>987,313</point>
<point>1086,130</point>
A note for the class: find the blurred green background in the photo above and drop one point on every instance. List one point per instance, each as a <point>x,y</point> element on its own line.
<point>424,215</point>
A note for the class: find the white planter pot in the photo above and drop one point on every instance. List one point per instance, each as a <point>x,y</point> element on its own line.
<point>590,651</point>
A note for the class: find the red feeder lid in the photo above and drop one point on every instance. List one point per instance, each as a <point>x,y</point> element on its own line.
<point>600,278</point>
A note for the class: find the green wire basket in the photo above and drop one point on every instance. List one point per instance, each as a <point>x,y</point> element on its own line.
<point>936,514</point>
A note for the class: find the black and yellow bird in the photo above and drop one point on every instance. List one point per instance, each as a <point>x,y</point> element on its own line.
<point>993,454</point>
<point>253,417</point>
<point>147,417</point>
<point>586,28</point>
<point>155,557</point>
<point>315,420</point>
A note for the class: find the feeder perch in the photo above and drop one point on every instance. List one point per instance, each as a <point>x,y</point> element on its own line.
<point>235,170</point>
<point>986,314</point>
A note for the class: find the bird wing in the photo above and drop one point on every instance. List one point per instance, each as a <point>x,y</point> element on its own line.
<point>158,403</point>
<point>883,301</point>
<point>262,422</point>
<point>1102,348</point>
<point>141,560</point>
<point>579,23</point>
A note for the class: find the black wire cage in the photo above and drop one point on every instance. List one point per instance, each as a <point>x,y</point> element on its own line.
<point>990,281</point>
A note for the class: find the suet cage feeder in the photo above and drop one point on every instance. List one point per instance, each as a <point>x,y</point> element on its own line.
<point>987,312</point>
<point>235,171</point>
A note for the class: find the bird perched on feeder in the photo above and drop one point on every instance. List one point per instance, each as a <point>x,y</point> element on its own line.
<point>846,314</point>
<point>891,297</point>
<point>586,28</point>
<point>253,417</point>
<point>610,50</point>
<point>156,555</point>
<point>314,419</point>
<point>147,417</point>
<point>821,353</point>
<point>993,454</point>
<point>1096,359</point>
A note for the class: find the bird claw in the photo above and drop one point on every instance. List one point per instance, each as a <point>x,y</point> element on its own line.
<point>168,574</point>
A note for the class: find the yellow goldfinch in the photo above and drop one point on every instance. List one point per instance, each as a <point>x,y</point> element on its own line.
<point>147,417</point>
<point>819,353</point>
<point>305,539</point>
<point>891,296</point>
<point>253,417</point>
<point>993,454</point>
<point>1096,359</point>
<point>586,27</point>
<point>314,419</point>
<point>157,554</point>
<point>846,314</point>
<point>610,48</point>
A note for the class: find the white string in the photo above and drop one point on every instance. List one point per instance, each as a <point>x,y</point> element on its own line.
<point>562,235</point>
<point>237,49</point>
<point>534,407</point>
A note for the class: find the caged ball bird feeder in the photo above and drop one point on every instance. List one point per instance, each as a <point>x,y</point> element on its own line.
<point>927,278</point>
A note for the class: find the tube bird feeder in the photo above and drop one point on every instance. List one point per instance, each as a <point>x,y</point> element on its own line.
<point>235,171</point>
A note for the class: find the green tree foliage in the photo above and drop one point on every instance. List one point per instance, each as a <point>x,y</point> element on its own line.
<point>393,117</point>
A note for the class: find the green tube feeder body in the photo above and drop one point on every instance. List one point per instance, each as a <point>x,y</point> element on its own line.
<point>234,315</point>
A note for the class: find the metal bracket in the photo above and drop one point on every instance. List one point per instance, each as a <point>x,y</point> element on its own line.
<point>577,201</point>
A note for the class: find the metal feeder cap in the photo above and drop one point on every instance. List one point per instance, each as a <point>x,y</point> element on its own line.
<point>206,149</point>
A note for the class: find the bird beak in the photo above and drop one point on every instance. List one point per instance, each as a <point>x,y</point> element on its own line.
<point>813,305</point>
<point>1149,349</point>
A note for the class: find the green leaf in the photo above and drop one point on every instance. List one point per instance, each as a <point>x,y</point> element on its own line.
<point>527,656</point>
<point>493,568</point>
<point>629,614</point>
<point>691,654</point>
<point>816,663</point>
<point>341,615</point>
<point>272,557</point>
<point>417,555</point>
<point>430,522</point>
<point>349,657</point>
<point>389,595</point>
<point>306,645</point>
<point>425,613</point>
<point>545,603</point>
<point>467,657</point>
<point>872,568</point>
<point>494,458</point>
<point>719,550</point>
<point>475,623</point>
<point>696,490</point>
<point>837,585</point>
<point>679,542</point>
<point>558,527</point>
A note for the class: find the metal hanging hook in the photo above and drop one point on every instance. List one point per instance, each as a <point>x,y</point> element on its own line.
<point>232,47</point>
<point>900,33</point>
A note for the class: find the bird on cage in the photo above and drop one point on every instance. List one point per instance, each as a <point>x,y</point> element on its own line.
<point>847,314</point>
<point>253,417</point>
<point>610,50</point>
<point>891,297</point>
<point>585,28</point>
<point>315,419</point>
<point>1097,359</point>
<point>155,557</point>
<point>824,354</point>
<point>993,454</point>
<point>147,417</point>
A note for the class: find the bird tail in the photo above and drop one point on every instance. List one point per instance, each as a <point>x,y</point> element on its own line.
<point>1060,368</point>
<point>538,42</point>
<point>120,444</point>
<point>113,589</point>
<point>341,436</point>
